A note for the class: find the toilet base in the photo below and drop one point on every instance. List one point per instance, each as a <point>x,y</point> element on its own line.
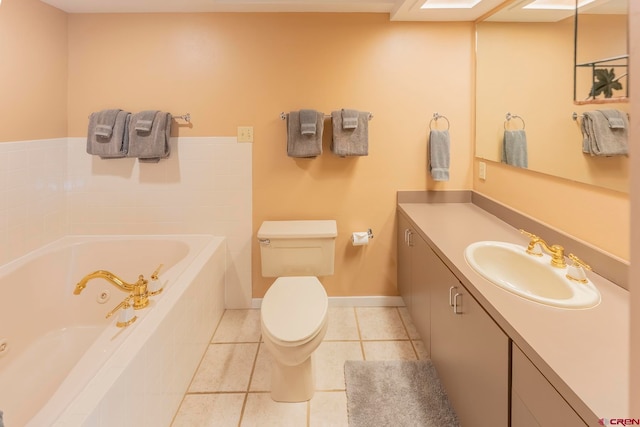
<point>292,383</point>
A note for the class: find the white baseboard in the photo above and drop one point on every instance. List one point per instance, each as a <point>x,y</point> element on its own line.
<point>371,301</point>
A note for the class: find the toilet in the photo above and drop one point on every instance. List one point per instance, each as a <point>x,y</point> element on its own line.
<point>293,313</point>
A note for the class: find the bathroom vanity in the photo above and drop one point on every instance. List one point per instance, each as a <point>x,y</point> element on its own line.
<point>505,360</point>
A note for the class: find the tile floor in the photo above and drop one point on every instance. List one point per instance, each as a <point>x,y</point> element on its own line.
<point>231,385</point>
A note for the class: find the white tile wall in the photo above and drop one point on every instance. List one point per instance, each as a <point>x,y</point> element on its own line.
<point>32,195</point>
<point>49,188</point>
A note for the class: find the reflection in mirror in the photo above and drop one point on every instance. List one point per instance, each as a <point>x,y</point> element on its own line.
<point>601,53</point>
<point>525,66</point>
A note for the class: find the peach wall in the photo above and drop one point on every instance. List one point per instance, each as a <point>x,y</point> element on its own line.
<point>229,70</point>
<point>33,75</point>
<point>596,215</point>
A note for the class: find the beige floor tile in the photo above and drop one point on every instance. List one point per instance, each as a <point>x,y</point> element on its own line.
<point>328,409</point>
<point>329,363</point>
<point>261,410</point>
<point>380,323</point>
<point>421,349</point>
<point>408,323</point>
<point>225,367</point>
<point>261,379</point>
<point>388,350</point>
<point>238,326</point>
<point>208,410</point>
<point>342,325</point>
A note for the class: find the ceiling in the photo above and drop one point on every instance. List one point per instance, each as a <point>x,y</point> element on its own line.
<point>398,10</point>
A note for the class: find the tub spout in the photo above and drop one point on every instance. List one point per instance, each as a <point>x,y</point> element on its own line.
<point>138,289</point>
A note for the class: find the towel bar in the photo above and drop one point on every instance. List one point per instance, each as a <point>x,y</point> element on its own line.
<point>575,116</point>
<point>283,116</point>
<point>435,118</point>
<point>185,117</point>
<point>510,116</point>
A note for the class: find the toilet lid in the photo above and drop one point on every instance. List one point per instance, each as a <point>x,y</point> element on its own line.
<point>294,308</point>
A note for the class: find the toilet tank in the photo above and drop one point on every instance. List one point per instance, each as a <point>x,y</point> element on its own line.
<point>297,248</point>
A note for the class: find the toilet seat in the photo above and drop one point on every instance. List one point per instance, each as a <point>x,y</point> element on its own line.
<point>294,309</point>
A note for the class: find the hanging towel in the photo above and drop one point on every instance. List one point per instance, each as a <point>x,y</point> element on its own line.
<point>308,122</point>
<point>149,146</point>
<point>349,119</point>
<point>514,148</point>
<point>304,145</point>
<point>350,141</point>
<point>439,154</point>
<point>605,133</point>
<point>107,135</point>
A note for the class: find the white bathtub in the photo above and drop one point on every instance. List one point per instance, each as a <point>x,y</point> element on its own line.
<point>63,364</point>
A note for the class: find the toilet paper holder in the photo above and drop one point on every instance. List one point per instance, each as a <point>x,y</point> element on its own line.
<point>370,233</point>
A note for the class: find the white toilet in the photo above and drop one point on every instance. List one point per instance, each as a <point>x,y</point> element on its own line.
<point>294,309</point>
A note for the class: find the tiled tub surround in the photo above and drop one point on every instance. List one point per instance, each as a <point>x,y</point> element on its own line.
<point>584,354</point>
<point>51,188</point>
<point>87,357</point>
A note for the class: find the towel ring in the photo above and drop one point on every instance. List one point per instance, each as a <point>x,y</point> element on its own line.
<point>435,118</point>
<point>513,116</point>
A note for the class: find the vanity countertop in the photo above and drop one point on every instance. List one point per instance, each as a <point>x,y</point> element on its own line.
<point>583,353</point>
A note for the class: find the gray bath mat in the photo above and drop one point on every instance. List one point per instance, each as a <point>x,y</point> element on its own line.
<point>396,393</point>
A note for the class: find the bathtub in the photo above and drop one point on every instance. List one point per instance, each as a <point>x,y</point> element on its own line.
<point>62,363</point>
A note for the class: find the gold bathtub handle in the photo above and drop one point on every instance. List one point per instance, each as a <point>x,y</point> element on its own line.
<point>154,275</point>
<point>126,316</point>
<point>154,288</point>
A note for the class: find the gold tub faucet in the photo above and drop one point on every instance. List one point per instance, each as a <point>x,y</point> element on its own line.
<point>138,289</point>
<point>556,251</point>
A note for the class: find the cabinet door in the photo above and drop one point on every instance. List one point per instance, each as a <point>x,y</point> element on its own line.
<point>470,352</point>
<point>404,261</point>
<point>535,402</point>
<point>420,290</point>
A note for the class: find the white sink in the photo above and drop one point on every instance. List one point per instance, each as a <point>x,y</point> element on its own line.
<point>510,267</point>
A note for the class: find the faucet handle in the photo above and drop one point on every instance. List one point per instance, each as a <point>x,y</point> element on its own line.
<point>126,316</point>
<point>576,270</point>
<point>154,275</point>
<point>155,287</point>
<point>578,262</point>
<point>529,235</point>
<point>534,244</point>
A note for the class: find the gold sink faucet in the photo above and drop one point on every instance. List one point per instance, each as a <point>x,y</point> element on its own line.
<point>138,289</point>
<point>556,251</point>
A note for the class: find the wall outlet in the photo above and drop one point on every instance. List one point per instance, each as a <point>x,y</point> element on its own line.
<point>245,133</point>
<point>482,170</point>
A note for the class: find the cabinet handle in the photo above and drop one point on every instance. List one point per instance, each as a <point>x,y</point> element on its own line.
<point>451,289</point>
<point>409,238</point>
<point>406,236</point>
<point>455,303</point>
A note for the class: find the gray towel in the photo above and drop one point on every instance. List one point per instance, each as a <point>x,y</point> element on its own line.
<point>1,419</point>
<point>439,154</point>
<point>152,145</point>
<point>514,148</point>
<point>299,145</point>
<point>308,122</point>
<point>350,142</point>
<point>107,135</point>
<point>349,119</point>
<point>605,133</point>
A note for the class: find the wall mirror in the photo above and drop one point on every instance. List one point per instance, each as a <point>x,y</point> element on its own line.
<point>525,62</point>
<point>601,52</point>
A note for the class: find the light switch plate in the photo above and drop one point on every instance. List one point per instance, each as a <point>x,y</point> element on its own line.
<point>482,170</point>
<point>245,133</point>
